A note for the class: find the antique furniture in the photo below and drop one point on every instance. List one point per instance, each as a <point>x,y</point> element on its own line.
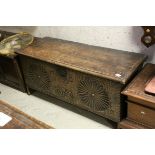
<point>10,72</point>
<point>140,105</point>
<point>148,39</point>
<point>87,76</point>
<point>9,45</point>
<point>18,119</point>
<point>128,124</point>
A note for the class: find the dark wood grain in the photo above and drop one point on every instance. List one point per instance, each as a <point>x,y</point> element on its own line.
<point>20,120</point>
<point>141,114</point>
<point>99,61</point>
<point>10,71</point>
<point>127,124</point>
<point>135,91</point>
<point>141,106</point>
<point>86,76</point>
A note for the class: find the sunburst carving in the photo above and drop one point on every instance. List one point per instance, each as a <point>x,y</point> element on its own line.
<point>64,94</point>
<point>93,95</point>
<point>38,75</point>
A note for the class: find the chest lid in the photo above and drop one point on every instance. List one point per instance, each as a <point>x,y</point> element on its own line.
<point>136,89</point>
<point>103,62</point>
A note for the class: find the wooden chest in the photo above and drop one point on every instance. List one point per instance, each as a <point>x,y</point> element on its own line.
<point>18,119</point>
<point>10,71</point>
<point>87,76</point>
<point>141,106</point>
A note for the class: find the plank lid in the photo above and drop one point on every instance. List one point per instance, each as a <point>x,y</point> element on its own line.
<point>103,62</point>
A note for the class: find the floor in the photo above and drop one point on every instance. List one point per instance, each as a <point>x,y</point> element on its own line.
<point>54,112</point>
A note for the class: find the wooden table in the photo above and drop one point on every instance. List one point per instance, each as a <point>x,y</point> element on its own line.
<point>140,105</point>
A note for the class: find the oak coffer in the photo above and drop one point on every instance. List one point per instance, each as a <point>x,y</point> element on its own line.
<point>141,105</point>
<point>87,76</point>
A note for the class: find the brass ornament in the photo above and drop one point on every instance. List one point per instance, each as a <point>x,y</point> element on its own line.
<point>148,30</point>
<point>148,38</point>
<point>9,45</point>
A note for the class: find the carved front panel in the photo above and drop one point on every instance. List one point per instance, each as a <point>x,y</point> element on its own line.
<point>98,95</point>
<point>38,76</point>
<point>48,78</point>
<point>92,94</point>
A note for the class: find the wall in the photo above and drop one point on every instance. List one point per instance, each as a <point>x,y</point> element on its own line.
<point>123,38</point>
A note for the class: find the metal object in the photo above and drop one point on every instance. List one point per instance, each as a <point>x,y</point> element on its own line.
<point>148,38</point>
<point>5,34</point>
<point>86,76</point>
<point>10,71</point>
<point>9,45</point>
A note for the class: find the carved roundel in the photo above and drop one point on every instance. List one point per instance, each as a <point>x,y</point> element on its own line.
<point>93,95</point>
<point>63,94</point>
<point>38,75</point>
